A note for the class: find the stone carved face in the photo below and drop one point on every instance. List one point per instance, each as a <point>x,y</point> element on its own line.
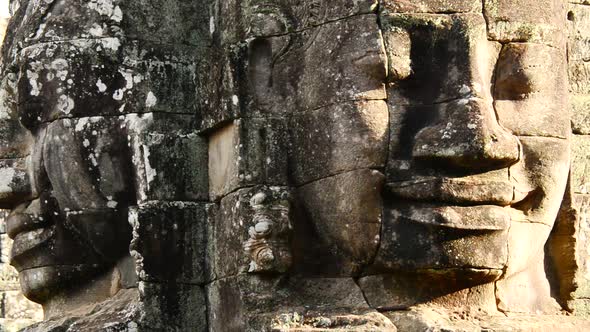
<point>68,180</point>
<point>479,150</point>
<point>462,170</point>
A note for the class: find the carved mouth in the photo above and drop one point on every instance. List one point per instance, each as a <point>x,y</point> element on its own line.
<point>473,218</point>
<point>466,192</point>
<point>27,242</point>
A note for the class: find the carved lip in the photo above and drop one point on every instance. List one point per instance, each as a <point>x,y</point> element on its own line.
<point>458,191</point>
<point>475,218</point>
<point>26,242</point>
<point>25,218</point>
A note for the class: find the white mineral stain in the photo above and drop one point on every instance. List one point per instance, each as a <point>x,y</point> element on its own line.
<point>35,86</point>
<point>150,100</point>
<point>150,172</point>
<point>60,66</point>
<point>86,143</point>
<point>118,94</point>
<point>81,124</point>
<point>96,30</point>
<point>101,86</point>
<point>7,175</point>
<point>111,204</point>
<point>111,43</point>
<point>464,89</point>
<point>235,100</point>
<point>117,14</point>
<point>128,76</point>
<point>212,25</point>
<point>103,7</point>
<point>65,104</point>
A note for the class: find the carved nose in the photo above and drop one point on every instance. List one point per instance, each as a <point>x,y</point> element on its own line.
<point>467,136</point>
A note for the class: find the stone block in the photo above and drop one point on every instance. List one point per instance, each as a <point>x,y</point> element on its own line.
<point>578,32</point>
<point>403,290</point>
<point>245,153</point>
<point>119,78</point>
<point>17,181</point>
<point>251,232</point>
<point>236,21</point>
<point>338,223</point>
<point>337,139</point>
<point>581,204</point>
<point>169,241</point>
<point>580,105</point>
<point>287,74</point>
<point>153,21</point>
<point>249,303</point>
<point>171,307</point>
<point>449,320</point>
<point>580,164</point>
<point>539,21</point>
<point>579,75</point>
<point>432,6</point>
<point>170,163</point>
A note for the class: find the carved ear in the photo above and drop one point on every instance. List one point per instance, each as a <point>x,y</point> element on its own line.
<point>560,250</point>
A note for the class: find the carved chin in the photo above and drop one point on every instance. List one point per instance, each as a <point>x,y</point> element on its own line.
<point>42,283</point>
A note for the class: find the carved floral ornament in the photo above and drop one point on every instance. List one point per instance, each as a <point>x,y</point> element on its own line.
<point>296,165</point>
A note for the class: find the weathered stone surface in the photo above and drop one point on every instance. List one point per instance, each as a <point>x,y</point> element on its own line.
<point>170,163</point>
<point>578,32</point>
<point>115,19</point>
<point>117,314</point>
<point>516,293</point>
<point>236,21</point>
<point>169,241</point>
<point>16,306</point>
<point>296,165</point>
<point>582,272</point>
<point>338,139</point>
<point>16,181</point>
<point>247,152</point>
<point>581,114</point>
<point>257,304</point>
<point>400,291</point>
<point>432,6</point>
<point>580,172</point>
<point>426,319</point>
<point>251,232</point>
<point>526,21</point>
<point>579,75</point>
<point>339,219</point>
<point>303,71</point>
<point>171,307</point>
<point>528,101</point>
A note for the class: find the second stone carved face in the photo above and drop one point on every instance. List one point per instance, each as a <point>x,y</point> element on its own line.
<point>72,224</point>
